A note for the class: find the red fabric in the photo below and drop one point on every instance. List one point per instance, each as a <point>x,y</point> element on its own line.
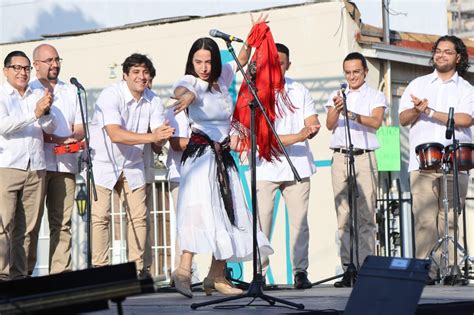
<point>269,83</point>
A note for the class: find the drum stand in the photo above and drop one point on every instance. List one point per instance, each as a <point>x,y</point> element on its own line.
<point>450,276</point>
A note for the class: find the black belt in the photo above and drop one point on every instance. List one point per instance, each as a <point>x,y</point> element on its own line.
<point>354,151</point>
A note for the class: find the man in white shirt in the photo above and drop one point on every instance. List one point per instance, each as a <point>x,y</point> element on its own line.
<point>24,114</point>
<point>61,169</point>
<point>123,114</point>
<point>366,108</point>
<point>424,108</point>
<point>294,128</point>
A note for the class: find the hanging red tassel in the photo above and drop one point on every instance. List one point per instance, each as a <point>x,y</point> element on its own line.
<point>265,72</point>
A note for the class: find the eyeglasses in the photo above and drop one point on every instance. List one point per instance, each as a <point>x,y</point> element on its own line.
<point>50,61</point>
<point>446,52</point>
<point>18,68</point>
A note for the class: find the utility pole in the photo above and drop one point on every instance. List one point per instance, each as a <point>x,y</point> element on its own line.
<point>387,65</point>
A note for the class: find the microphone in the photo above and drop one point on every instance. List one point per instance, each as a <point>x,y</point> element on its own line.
<point>343,87</point>
<point>224,36</point>
<point>74,81</point>
<point>450,123</point>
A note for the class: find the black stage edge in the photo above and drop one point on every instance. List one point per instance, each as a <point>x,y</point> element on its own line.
<point>72,292</point>
<point>455,308</point>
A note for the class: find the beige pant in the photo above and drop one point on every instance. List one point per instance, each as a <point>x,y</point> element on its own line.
<point>136,211</point>
<point>20,199</point>
<point>367,177</point>
<point>428,209</point>
<point>296,196</point>
<point>148,255</point>
<point>59,197</point>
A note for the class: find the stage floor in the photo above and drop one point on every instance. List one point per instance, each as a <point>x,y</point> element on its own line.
<point>320,298</point>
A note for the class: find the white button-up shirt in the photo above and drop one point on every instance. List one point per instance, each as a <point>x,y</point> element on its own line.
<point>291,123</point>
<point>67,114</point>
<point>21,134</point>
<point>455,92</point>
<point>362,101</point>
<point>116,106</point>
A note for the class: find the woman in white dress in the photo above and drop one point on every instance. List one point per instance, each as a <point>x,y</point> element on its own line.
<point>212,214</point>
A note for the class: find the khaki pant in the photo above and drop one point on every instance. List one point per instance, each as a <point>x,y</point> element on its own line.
<point>136,211</point>
<point>367,177</point>
<point>148,255</point>
<point>296,196</point>
<point>428,209</point>
<point>59,197</point>
<point>21,193</point>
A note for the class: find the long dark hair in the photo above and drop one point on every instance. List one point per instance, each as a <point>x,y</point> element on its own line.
<point>463,64</point>
<point>209,44</point>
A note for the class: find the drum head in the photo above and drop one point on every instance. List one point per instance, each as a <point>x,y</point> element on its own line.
<point>424,146</point>
<point>449,148</point>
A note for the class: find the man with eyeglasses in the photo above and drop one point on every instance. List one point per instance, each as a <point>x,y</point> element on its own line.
<point>24,115</point>
<point>424,107</point>
<point>60,182</point>
<point>365,110</point>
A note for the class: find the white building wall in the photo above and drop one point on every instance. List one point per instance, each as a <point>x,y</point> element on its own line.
<point>319,36</point>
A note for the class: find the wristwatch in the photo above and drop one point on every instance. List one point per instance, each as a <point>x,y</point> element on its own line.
<point>353,116</point>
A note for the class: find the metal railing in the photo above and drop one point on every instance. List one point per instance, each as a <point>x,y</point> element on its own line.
<point>162,232</point>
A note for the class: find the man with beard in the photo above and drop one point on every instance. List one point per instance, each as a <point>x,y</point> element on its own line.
<point>24,114</point>
<point>60,183</point>
<point>424,108</point>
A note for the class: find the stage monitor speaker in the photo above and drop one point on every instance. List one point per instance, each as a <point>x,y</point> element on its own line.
<point>388,286</point>
<point>71,292</point>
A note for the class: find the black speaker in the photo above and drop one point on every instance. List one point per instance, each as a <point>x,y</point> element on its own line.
<point>388,286</point>
<point>71,292</point>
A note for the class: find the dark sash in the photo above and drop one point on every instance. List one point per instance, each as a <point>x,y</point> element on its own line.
<point>198,142</point>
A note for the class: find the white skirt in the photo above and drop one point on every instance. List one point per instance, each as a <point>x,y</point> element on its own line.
<point>202,222</point>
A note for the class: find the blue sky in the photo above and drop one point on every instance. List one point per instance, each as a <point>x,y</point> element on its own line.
<point>48,17</point>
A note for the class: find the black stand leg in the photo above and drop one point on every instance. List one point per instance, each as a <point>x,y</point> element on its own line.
<point>455,277</point>
<point>90,183</point>
<point>256,286</point>
<point>352,195</point>
<point>119,305</point>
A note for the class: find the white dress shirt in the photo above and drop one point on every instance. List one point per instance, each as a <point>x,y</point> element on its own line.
<point>362,101</point>
<point>67,114</point>
<point>21,133</point>
<point>455,92</point>
<point>291,123</point>
<point>116,106</point>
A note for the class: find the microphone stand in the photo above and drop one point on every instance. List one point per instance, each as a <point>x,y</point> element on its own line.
<point>353,194</point>
<point>255,289</point>
<point>90,183</point>
<point>455,274</point>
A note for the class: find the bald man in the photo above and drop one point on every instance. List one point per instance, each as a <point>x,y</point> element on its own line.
<point>61,169</point>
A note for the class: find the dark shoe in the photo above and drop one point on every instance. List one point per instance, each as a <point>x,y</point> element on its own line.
<point>430,281</point>
<point>345,281</point>
<point>144,274</point>
<point>455,281</point>
<point>301,281</point>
